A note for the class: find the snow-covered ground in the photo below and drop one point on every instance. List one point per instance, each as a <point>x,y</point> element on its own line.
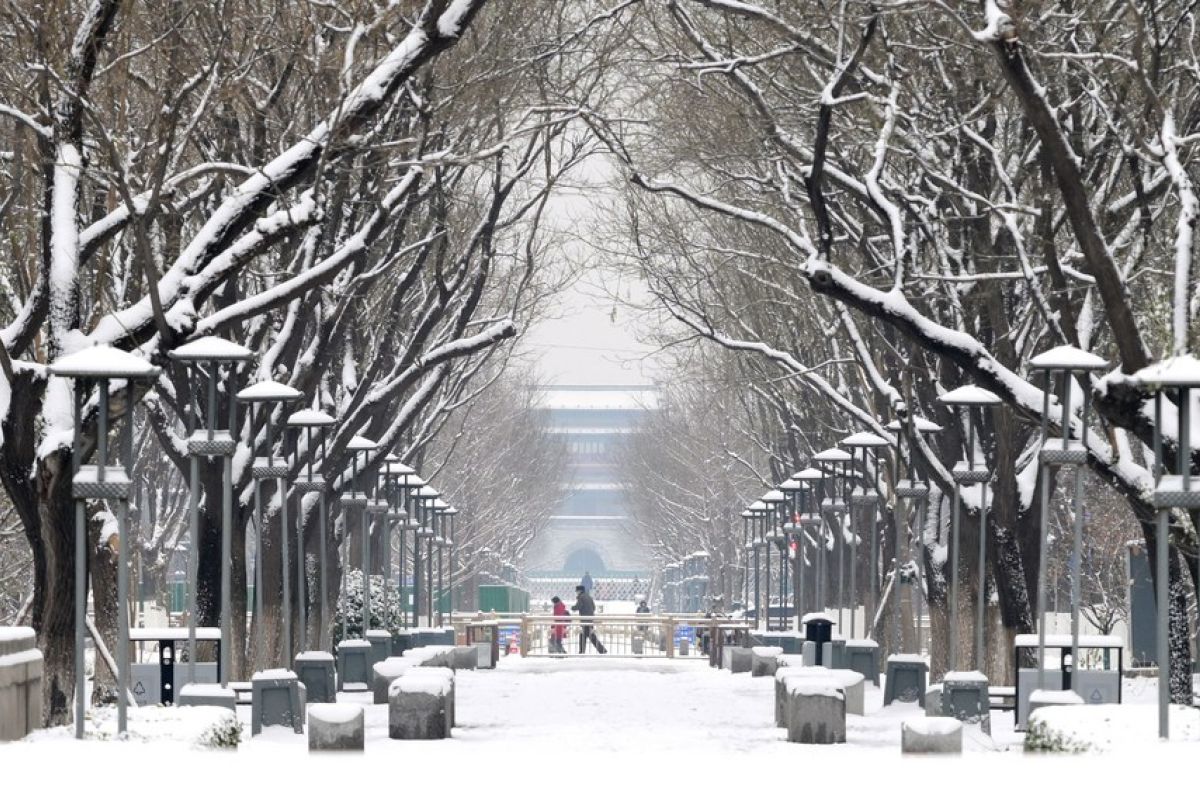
<point>598,727</point>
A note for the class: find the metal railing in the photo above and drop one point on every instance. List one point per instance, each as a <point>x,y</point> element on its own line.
<point>631,635</point>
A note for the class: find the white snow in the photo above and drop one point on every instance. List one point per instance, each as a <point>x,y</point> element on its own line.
<point>1130,730</point>
<point>1056,697</point>
<point>1064,640</point>
<point>907,658</point>
<point>207,691</point>
<point>315,655</point>
<point>335,713</point>
<point>424,680</point>
<point>767,652</point>
<point>1067,357</point>
<point>176,634</point>
<point>816,616</point>
<point>279,673</point>
<point>310,418</point>
<point>210,348</point>
<point>965,676</point>
<point>864,439</point>
<point>1181,370</point>
<point>969,395</point>
<point>809,474</point>
<point>102,361</point>
<point>832,454</point>
<point>933,726</point>
<point>361,443</point>
<point>268,390</point>
<point>15,633</point>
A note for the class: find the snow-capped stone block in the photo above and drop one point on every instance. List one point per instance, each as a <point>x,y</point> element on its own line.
<point>315,669</point>
<point>381,645</point>
<point>420,704</point>
<point>383,673</point>
<point>1047,698</point>
<point>21,670</point>
<point>965,698</point>
<point>862,656</point>
<point>762,660</point>
<point>905,680</point>
<point>207,694</point>
<point>353,668</point>
<point>336,727</point>
<point>852,684</point>
<point>931,735</point>
<point>816,713</point>
<point>464,657</point>
<point>737,659</point>
<point>277,698</point>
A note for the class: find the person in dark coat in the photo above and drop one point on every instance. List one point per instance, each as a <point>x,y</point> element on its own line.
<point>558,631</point>
<point>586,607</point>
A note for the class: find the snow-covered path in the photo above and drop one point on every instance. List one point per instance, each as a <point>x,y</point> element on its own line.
<point>598,727</point>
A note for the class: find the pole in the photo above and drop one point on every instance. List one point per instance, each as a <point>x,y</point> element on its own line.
<point>80,614</point>
<point>193,558</point>
<point>954,506</point>
<point>123,522</point>
<point>981,601</point>
<point>226,577</point>
<point>323,638</point>
<point>285,561</point>
<point>260,628</point>
<point>1044,477</point>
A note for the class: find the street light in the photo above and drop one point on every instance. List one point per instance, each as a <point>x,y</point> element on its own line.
<point>102,481</point>
<point>1179,376</point>
<point>270,468</point>
<point>450,514</point>
<point>758,511</point>
<point>423,582</point>
<point>747,548</point>
<point>836,465</point>
<point>361,500</point>
<point>914,490</point>
<point>810,522</point>
<point>965,474</point>
<point>866,500</point>
<point>406,481</point>
<point>772,500</point>
<point>311,422</point>
<point>212,352</point>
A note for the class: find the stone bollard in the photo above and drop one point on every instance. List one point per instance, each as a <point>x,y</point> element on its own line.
<point>334,727</point>
<point>384,673</point>
<point>816,713</point>
<point>933,700</point>
<point>762,661</point>
<point>464,657</point>
<point>852,684</point>
<point>737,659</point>
<point>21,670</point>
<point>931,735</point>
<point>417,703</point>
<point>638,644</point>
<point>1044,698</point>
<point>381,645</point>
<point>277,699</point>
<point>207,694</point>
<point>906,677</point>
<point>353,669</point>
<point>316,672</point>
<point>965,698</point>
<point>862,655</point>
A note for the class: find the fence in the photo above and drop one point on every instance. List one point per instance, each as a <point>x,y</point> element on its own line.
<point>631,635</point>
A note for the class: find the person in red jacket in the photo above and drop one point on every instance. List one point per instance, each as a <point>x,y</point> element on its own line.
<point>558,631</point>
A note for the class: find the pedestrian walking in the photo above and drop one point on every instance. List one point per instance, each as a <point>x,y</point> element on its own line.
<point>558,631</point>
<point>586,607</point>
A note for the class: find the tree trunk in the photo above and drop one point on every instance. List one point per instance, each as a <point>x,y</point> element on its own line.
<point>104,558</point>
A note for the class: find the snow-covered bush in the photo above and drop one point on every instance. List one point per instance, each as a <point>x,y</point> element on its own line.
<point>1042,737</point>
<point>223,733</point>
<point>385,609</point>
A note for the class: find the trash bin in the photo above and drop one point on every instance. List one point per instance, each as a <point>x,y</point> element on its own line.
<point>818,629</point>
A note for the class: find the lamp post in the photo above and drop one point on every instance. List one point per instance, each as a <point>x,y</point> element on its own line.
<point>758,510</point>
<point>772,500</point>
<point>423,555</point>
<point>312,422</point>
<point>912,490</point>
<point>212,352</point>
<point>1070,365</point>
<point>1173,379</point>
<point>810,522</point>
<point>450,514</point>
<point>793,491</point>
<point>101,364</point>
<point>865,500</point>
<point>358,445</point>
<point>407,481</point>
<point>965,474</point>
<point>438,509</point>
<point>270,468</point>
<point>747,548</point>
<point>836,465</point>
